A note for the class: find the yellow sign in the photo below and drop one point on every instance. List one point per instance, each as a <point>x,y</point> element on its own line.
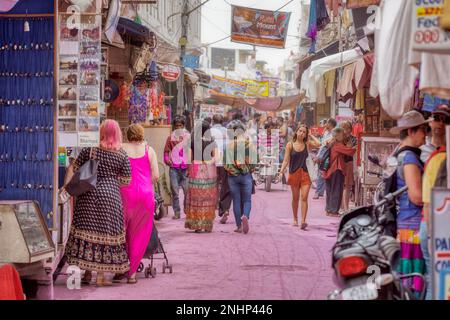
<point>257,88</point>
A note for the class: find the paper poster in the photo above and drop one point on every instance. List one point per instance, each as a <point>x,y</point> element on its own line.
<point>88,139</point>
<point>67,139</point>
<point>259,27</point>
<point>79,77</point>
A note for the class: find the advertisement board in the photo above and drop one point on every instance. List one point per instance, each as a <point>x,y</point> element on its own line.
<point>440,243</point>
<point>427,34</point>
<point>257,88</point>
<point>223,86</point>
<point>259,27</point>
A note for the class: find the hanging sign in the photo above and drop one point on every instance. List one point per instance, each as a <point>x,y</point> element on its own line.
<point>171,72</point>
<point>259,27</point>
<point>223,86</point>
<point>427,34</point>
<point>440,243</point>
<point>257,88</point>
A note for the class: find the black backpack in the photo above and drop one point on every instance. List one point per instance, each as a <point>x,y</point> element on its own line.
<point>389,184</point>
<point>324,158</point>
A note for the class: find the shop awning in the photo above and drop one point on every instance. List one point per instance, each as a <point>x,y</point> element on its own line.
<point>320,67</point>
<point>273,104</point>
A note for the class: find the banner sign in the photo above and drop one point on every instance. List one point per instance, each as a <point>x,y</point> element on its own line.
<point>427,34</point>
<point>191,61</point>
<point>223,86</point>
<point>171,72</point>
<point>274,83</point>
<point>259,27</point>
<point>440,243</point>
<point>257,88</point>
<point>209,110</point>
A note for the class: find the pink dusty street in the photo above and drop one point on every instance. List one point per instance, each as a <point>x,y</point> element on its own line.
<point>274,261</point>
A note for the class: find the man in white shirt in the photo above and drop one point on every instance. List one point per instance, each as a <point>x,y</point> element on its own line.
<point>219,132</point>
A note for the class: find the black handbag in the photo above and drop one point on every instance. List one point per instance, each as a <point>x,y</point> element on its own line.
<point>85,179</point>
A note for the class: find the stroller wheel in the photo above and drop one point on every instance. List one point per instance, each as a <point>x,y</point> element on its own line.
<point>167,267</point>
<point>141,267</point>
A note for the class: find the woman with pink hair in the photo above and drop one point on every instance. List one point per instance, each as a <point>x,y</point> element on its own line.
<point>97,235</point>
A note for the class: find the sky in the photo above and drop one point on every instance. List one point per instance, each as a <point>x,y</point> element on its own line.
<point>216,24</point>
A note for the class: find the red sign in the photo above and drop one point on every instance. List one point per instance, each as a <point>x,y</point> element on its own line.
<point>171,72</point>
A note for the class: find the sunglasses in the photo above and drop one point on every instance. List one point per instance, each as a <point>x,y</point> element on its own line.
<point>441,118</point>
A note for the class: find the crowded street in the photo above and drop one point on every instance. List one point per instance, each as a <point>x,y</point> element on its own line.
<point>225,150</point>
<point>274,261</point>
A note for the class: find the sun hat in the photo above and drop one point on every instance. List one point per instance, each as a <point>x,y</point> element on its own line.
<point>410,119</point>
<point>442,109</point>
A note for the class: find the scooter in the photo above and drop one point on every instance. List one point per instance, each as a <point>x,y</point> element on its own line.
<point>267,170</point>
<point>366,255</point>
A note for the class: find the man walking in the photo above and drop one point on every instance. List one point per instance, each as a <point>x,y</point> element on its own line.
<point>175,156</point>
<point>327,135</point>
<point>219,132</point>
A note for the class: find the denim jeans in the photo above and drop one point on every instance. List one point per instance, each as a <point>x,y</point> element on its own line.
<point>423,234</point>
<point>178,178</point>
<point>320,185</point>
<point>241,191</point>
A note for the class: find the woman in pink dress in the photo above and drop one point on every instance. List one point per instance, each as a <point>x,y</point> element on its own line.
<point>138,198</point>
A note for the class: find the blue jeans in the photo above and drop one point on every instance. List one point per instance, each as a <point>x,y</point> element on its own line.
<point>178,178</point>
<point>241,192</point>
<point>426,256</point>
<point>320,185</point>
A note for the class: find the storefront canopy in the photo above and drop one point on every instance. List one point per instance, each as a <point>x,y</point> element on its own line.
<point>319,67</point>
<point>273,104</point>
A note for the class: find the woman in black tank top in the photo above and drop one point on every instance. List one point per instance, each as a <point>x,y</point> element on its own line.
<point>299,180</point>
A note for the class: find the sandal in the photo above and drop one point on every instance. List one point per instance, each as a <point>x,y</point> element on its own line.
<point>118,277</point>
<point>87,278</point>
<point>295,223</point>
<point>304,225</point>
<point>224,218</point>
<point>132,280</point>
<point>101,282</point>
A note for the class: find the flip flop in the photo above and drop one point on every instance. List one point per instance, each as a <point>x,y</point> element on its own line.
<point>304,225</point>
<point>132,280</point>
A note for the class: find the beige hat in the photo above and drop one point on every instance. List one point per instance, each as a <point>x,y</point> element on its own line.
<point>410,119</point>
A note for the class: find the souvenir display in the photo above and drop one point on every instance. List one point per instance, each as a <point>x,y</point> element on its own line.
<point>80,81</point>
<point>27,110</point>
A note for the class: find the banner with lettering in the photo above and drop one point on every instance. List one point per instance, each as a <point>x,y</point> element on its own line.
<point>427,34</point>
<point>257,88</point>
<point>223,86</point>
<point>259,27</point>
<point>440,243</point>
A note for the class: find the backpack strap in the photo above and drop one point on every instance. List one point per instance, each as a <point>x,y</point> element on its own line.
<point>400,170</point>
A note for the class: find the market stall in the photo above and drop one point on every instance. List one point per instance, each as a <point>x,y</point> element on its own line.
<point>28,122</point>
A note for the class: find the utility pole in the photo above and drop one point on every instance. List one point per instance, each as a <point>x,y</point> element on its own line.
<point>182,43</point>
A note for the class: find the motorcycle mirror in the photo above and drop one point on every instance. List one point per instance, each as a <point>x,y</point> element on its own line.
<point>374,159</point>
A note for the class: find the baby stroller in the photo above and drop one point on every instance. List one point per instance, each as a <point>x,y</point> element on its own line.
<point>154,245</point>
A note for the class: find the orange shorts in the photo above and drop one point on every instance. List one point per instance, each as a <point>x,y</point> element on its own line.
<point>299,178</point>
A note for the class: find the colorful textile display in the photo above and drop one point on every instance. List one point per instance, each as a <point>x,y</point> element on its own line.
<point>137,112</point>
<point>10,285</point>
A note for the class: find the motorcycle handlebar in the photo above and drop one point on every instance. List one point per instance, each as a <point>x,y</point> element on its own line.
<point>391,196</point>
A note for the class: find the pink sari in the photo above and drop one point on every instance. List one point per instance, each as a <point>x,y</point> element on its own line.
<point>139,205</point>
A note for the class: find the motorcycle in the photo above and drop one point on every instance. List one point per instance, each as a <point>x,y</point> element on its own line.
<point>366,244</point>
<point>267,170</point>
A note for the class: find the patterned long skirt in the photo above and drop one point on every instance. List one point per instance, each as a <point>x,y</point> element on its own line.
<point>201,198</point>
<point>411,254</point>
